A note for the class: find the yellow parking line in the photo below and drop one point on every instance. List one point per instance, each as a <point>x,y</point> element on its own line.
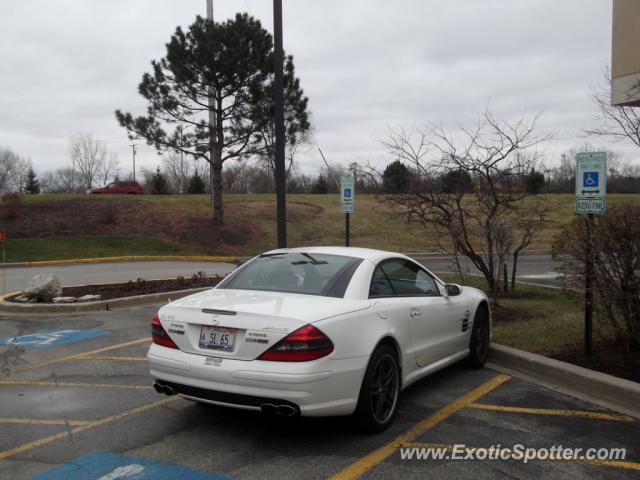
<point>553,411</point>
<point>43,383</point>
<point>78,355</point>
<point>604,463</point>
<point>366,463</point>
<point>43,421</point>
<point>114,358</point>
<point>52,438</point>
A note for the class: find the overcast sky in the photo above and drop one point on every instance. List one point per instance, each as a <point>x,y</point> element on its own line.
<point>66,65</point>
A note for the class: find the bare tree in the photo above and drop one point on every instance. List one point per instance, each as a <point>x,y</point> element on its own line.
<point>178,170</point>
<point>62,180</point>
<point>495,218</point>
<point>88,156</point>
<point>618,123</point>
<point>108,169</point>
<point>13,171</point>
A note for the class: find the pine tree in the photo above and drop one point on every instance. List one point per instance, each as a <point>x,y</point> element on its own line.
<point>233,58</point>
<point>31,185</point>
<point>320,185</point>
<point>396,178</point>
<point>159,183</point>
<point>196,185</point>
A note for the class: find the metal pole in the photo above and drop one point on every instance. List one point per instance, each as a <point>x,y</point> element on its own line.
<point>133,148</point>
<point>347,233</point>
<point>212,115</point>
<point>588,289</point>
<point>278,66</point>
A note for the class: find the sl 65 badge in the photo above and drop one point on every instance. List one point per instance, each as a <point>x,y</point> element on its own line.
<point>212,362</point>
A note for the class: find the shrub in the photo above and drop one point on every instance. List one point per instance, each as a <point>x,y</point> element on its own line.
<point>616,246</point>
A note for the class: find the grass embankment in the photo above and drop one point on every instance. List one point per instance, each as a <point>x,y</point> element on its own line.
<point>313,220</point>
<point>537,319</point>
<point>550,322</point>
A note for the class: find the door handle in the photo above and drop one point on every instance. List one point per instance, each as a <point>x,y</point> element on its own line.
<point>415,312</point>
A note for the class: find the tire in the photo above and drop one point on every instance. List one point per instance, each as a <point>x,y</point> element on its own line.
<point>378,399</point>
<point>480,339</point>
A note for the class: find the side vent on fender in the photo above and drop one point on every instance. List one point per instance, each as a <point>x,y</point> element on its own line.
<point>465,324</point>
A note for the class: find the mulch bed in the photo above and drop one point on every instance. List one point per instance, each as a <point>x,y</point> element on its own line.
<point>142,287</point>
<point>606,358</point>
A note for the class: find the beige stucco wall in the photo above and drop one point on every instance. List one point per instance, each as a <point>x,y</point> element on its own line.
<point>625,55</point>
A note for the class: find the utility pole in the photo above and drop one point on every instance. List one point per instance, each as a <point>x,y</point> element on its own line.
<point>212,115</point>
<point>133,149</point>
<point>278,66</point>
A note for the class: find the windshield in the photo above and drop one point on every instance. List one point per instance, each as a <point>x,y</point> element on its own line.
<point>306,273</point>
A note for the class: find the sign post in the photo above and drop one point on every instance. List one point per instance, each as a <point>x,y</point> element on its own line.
<point>347,193</point>
<point>591,189</point>
<point>3,238</point>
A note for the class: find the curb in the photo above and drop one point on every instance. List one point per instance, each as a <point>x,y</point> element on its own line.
<point>12,308</point>
<point>128,258</point>
<point>594,387</point>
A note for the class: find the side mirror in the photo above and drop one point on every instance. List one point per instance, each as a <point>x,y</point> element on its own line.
<point>452,289</point>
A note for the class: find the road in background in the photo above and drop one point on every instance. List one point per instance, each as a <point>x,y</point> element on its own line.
<point>98,273</point>
<point>534,268</point>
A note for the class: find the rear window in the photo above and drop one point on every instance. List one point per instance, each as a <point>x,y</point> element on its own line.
<point>294,272</point>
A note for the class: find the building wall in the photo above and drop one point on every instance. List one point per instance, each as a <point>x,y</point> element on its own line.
<point>625,55</point>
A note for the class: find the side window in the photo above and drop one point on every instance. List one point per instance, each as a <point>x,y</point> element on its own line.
<point>380,286</point>
<point>426,284</point>
<point>402,278</point>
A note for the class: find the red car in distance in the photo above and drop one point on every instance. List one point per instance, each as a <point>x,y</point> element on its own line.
<point>123,188</point>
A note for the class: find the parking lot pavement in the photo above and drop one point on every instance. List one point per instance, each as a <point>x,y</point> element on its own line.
<point>76,402</point>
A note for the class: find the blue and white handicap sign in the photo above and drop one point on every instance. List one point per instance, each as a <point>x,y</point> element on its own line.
<point>347,194</point>
<point>591,175</point>
<point>51,338</point>
<point>111,466</point>
<point>590,179</point>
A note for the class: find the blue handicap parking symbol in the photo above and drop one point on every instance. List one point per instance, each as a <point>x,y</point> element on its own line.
<point>347,193</point>
<point>106,465</point>
<point>51,338</point>
<point>590,179</point>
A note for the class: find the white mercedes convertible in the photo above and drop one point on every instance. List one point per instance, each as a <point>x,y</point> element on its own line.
<point>317,331</point>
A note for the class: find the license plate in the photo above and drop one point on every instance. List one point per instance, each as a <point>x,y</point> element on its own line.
<point>217,338</point>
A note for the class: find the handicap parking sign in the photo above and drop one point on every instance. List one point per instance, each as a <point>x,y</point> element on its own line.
<point>590,179</point>
<point>347,193</point>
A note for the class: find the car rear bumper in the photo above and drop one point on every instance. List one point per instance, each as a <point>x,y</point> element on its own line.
<point>318,388</point>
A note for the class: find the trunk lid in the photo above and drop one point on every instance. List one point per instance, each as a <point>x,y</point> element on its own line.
<point>254,321</point>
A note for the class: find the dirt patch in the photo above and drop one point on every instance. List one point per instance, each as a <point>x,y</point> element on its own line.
<point>185,227</point>
<point>500,313</point>
<point>606,358</point>
<point>142,287</point>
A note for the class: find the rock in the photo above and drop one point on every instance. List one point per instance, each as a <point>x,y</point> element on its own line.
<point>88,298</point>
<point>64,299</point>
<point>43,287</point>
<point>21,299</point>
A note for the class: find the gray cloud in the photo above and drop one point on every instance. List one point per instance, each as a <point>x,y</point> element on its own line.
<point>65,66</point>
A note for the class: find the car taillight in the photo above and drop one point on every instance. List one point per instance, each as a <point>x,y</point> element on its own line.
<point>159,334</point>
<point>305,344</point>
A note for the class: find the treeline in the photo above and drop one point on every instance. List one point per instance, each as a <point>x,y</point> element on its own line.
<point>90,165</point>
